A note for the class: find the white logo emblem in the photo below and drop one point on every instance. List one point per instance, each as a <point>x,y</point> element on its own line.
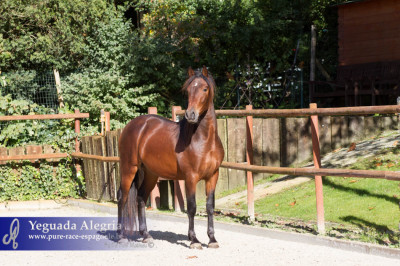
<point>14,230</point>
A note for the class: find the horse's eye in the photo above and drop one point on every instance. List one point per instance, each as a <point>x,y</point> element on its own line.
<point>205,89</point>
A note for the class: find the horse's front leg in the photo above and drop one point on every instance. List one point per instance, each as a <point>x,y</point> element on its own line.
<point>190,186</point>
<point>210,205</point>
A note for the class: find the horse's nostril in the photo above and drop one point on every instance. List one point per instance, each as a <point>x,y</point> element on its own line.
<point>192,116</point>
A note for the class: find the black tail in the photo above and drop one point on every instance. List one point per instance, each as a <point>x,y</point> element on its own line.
<point>127,211</point>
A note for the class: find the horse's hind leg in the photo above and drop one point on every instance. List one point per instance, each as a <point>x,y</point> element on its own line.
<point>146,187</point>
<point>210,205</point>
<point>127,203</point>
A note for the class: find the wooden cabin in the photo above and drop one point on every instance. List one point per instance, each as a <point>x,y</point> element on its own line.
<point>369,54</point>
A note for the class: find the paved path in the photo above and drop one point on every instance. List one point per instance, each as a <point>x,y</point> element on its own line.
<point>338,159</point>
<point>239,245</point>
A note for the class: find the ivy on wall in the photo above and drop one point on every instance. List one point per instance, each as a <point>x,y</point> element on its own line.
<point>49,181</point>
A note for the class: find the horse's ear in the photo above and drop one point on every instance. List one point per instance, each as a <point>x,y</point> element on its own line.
<point>190,72</point>
<point>205,72</point>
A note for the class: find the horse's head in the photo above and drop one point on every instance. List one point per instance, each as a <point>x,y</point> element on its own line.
<point>200,88</point>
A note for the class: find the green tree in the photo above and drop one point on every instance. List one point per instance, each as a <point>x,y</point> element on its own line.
<point>107,80</point>
<point>240,36</point>
<point>47,34</point>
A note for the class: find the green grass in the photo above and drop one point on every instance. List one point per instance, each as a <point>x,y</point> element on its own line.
<point>367,204</point>
<point>244,187</point>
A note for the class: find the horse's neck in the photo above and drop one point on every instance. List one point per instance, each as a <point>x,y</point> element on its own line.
<point>206,129</point>
<point>208,125</point>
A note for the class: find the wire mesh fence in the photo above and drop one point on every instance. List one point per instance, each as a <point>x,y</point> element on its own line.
<point>25,93</point>
<point>31,86</point>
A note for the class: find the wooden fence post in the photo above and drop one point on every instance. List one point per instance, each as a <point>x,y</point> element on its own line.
<point>58,87</point>
<point>317,164</point>
<point>155,193</point>
<point>249,157</point>
<point>102,121</point>
<point>107,121</point>
<point>398,115</point>
<point>179,185</point>
<point>77,131</point>
<point>312,62</point>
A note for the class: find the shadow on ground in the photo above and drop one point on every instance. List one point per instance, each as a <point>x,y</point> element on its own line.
<point>173,238</point>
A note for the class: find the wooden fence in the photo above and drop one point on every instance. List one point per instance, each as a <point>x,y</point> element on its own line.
<point>37,152</point>
<point>287,141</point>
<point>317,172</point>
<point>313,112</point>
<point>30,152</point>
<point>102,177</point>
<point>244,138</point>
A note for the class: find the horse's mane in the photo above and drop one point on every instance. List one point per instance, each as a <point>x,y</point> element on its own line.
<point>198,74</point>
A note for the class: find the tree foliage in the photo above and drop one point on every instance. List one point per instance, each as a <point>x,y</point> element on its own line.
<point>108,80</point>
<point>107,64</point>
<point>47,34</point>
<point>236,36</point>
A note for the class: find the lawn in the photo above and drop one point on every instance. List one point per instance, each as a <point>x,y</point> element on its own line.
<point>367,204</point>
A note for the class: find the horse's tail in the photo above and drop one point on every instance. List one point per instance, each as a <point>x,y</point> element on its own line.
<point>127,211</point>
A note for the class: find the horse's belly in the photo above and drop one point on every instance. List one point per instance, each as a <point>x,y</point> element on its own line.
<point>161,167</point>
<point>159,158</point>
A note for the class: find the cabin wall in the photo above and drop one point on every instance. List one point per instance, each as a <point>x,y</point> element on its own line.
<point>369,31</point>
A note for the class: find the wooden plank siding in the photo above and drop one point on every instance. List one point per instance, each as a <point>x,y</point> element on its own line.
<point>369,31</point>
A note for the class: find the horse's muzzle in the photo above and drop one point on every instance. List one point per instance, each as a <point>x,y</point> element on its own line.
<point>192,116</point>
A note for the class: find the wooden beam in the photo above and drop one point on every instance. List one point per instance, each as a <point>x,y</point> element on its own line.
<point>389,175</point>
<point>312,62</point>
<point>33,156</point>
<point>361,110</point>
<point>317,165</point>
<point>249,159</point>
<point>58,87</point>
<point>43,117</point>
<point>81,155</point>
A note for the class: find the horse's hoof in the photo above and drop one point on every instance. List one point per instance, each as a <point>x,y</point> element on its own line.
<point>147,240</point>
<point>123,240</point>
<point>196,246</point>
<point>213,245</point>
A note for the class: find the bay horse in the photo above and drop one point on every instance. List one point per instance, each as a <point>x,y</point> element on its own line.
<point>151,146</point>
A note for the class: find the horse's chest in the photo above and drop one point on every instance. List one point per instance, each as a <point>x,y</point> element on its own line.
<point>202,162</point>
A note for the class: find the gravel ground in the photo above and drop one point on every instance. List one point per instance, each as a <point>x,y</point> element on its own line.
<point>171,247</point>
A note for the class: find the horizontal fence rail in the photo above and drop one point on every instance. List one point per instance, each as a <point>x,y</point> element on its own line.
<point>44,117</point>
<point>38,155</point>
<point>34,157</point>
<point>362,110</point>
<point>390,175</point>
<point>109,159</point>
